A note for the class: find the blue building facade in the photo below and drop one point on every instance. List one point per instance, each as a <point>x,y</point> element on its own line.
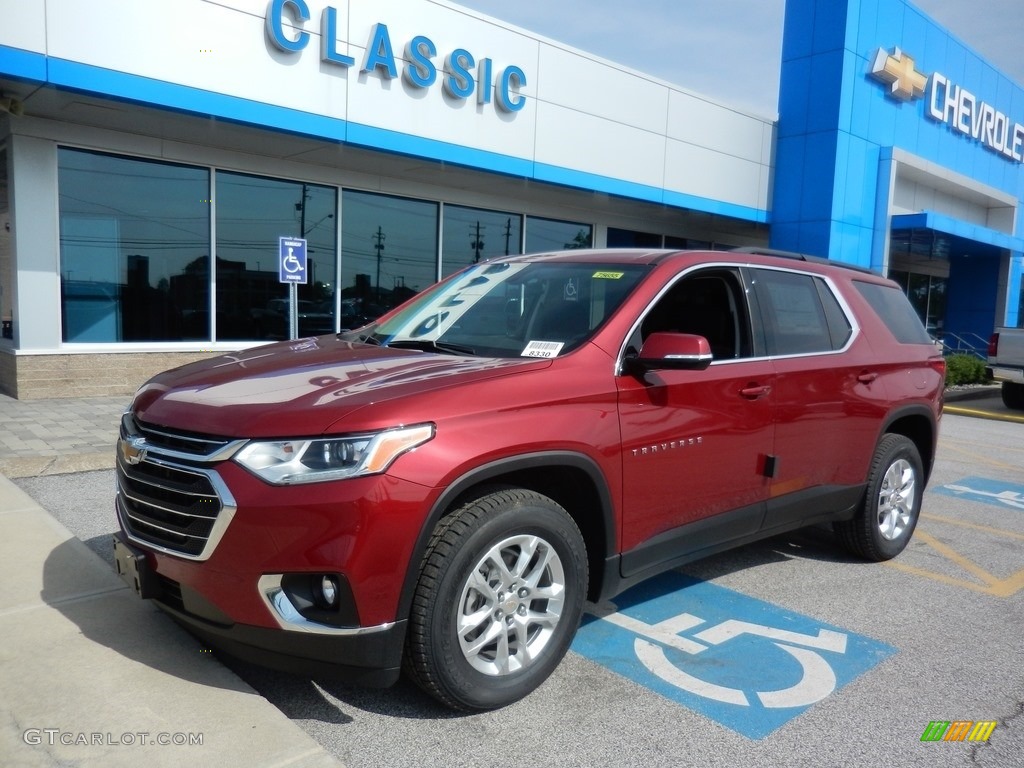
<point>901,149</point>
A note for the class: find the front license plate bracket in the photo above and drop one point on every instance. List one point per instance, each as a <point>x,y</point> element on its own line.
<point>134,570</point>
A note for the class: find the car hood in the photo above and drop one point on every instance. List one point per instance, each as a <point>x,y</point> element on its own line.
<point>301,387</point>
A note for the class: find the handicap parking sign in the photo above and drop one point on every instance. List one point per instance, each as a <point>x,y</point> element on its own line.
<point>291,266</point>
<point>744,663</point>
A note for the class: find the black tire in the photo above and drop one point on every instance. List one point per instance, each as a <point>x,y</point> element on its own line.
<point>533,602</point>
<point>889,512</point>
<point>1013,395</point>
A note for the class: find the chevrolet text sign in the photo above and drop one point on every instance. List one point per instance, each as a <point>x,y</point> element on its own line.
<point>949,103</point>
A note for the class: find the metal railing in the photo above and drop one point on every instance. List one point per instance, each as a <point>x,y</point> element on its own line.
<point>968,343</point>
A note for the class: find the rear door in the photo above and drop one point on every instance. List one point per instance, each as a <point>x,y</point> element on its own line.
<point>826,398</point>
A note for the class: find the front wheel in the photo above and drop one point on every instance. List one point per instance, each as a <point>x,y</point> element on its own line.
<point>888,514</point>
<point>498,601</point>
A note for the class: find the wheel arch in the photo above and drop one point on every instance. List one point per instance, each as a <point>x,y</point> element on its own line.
<point>571,479</point>
<point>918,425</point>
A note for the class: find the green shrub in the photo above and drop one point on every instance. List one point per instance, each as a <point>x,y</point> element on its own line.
<point>962,368</point>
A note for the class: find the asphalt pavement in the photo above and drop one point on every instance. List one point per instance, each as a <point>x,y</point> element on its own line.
<point>90,675</point>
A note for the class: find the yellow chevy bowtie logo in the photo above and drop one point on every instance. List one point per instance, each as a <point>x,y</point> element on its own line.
<point>898,71</point>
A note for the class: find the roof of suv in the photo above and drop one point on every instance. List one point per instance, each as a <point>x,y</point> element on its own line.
<point>657,256</point>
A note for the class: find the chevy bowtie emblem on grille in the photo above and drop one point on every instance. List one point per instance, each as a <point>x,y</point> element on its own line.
<point>133,450</point>
<point>897,70</point>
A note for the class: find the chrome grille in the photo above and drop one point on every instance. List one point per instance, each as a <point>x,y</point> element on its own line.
<point>193,446</point>
<point>178,507</point>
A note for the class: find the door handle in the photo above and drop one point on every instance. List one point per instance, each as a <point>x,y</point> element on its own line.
<point>867,377</point>
<point>754,391</point>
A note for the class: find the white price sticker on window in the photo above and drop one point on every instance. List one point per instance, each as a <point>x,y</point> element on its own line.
<point>543,349</point>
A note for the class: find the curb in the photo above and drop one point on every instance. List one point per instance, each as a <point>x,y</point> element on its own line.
<point>971,393</point>
<point>38,466</point>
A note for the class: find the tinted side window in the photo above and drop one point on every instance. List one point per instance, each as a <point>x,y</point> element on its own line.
<point>708,303</point>
<point>892,306</point>
<point>801,316</point>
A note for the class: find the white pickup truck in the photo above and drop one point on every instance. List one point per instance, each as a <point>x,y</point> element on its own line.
<point>1006,364</point>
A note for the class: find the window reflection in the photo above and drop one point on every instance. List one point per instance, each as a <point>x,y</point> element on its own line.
<point>927,294</point>
<point>551,235</point>
<point>134,249</point>
<point>472,235</point>
<point>628,238</point>
<point>389,252</point>
<point>252,214</point>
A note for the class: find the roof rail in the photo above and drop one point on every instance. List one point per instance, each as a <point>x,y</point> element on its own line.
<point>758,251</point>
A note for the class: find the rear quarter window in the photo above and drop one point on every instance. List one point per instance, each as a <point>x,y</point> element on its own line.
<point>893,307</point>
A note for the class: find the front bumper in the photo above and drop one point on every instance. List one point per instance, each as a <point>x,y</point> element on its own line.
<point>371,659</point>
<point>369,656</point>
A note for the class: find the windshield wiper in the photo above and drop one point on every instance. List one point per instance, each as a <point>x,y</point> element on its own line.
<point>364,335</point>
<point>431,345</point>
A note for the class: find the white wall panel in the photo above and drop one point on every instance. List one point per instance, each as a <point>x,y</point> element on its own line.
<point>23,25</point>
<point>704,124</point>
<point>197,44</point>
<point>697,171</point>
<point>913,197</point>
<point>572,80</point>
<point>582,142</point>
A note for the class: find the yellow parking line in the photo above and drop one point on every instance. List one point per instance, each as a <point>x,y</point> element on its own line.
<point>992,585</point>
<point>946,446</point>
<point>974,526</point>
<point>961,411</point>
<point>1003,449</point>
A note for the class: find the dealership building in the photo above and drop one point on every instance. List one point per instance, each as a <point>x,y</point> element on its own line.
<point>157,157</point>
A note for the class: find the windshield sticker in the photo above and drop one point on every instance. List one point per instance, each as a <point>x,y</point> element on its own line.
<point>571,289</point>
<point>542,349</point>
<point>608,275</point>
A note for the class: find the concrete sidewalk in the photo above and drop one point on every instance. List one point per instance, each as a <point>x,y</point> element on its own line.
<point>90,674</point>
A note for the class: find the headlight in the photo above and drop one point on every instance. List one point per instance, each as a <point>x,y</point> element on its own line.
<point>285,462</point>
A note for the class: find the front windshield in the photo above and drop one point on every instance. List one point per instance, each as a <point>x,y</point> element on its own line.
<point>512,309</point>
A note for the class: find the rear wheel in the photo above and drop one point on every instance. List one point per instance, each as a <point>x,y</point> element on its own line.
<point>888,514</point>
<point>1013,395</point>
<point>498,601</point>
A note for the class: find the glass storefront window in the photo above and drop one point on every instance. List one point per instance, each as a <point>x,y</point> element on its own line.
<point>628,238</point>
<point>253,212</point>
<point>388,252</point>
<point>927,294</point>
<point>472,235</point>
<point>551,235</point>
<point>134,249</point>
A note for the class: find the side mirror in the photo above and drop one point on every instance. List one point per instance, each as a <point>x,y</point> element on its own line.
<point>672,351</point>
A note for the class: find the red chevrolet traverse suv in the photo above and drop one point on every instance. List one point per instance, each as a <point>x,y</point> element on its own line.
<point>441,490</point>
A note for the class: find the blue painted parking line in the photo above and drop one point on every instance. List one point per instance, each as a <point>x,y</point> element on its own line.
<point>742,662</point>
<point>1000,493</point>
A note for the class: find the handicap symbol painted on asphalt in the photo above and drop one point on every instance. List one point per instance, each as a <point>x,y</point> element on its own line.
<point>744,663</point>
<point>999,493</point>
